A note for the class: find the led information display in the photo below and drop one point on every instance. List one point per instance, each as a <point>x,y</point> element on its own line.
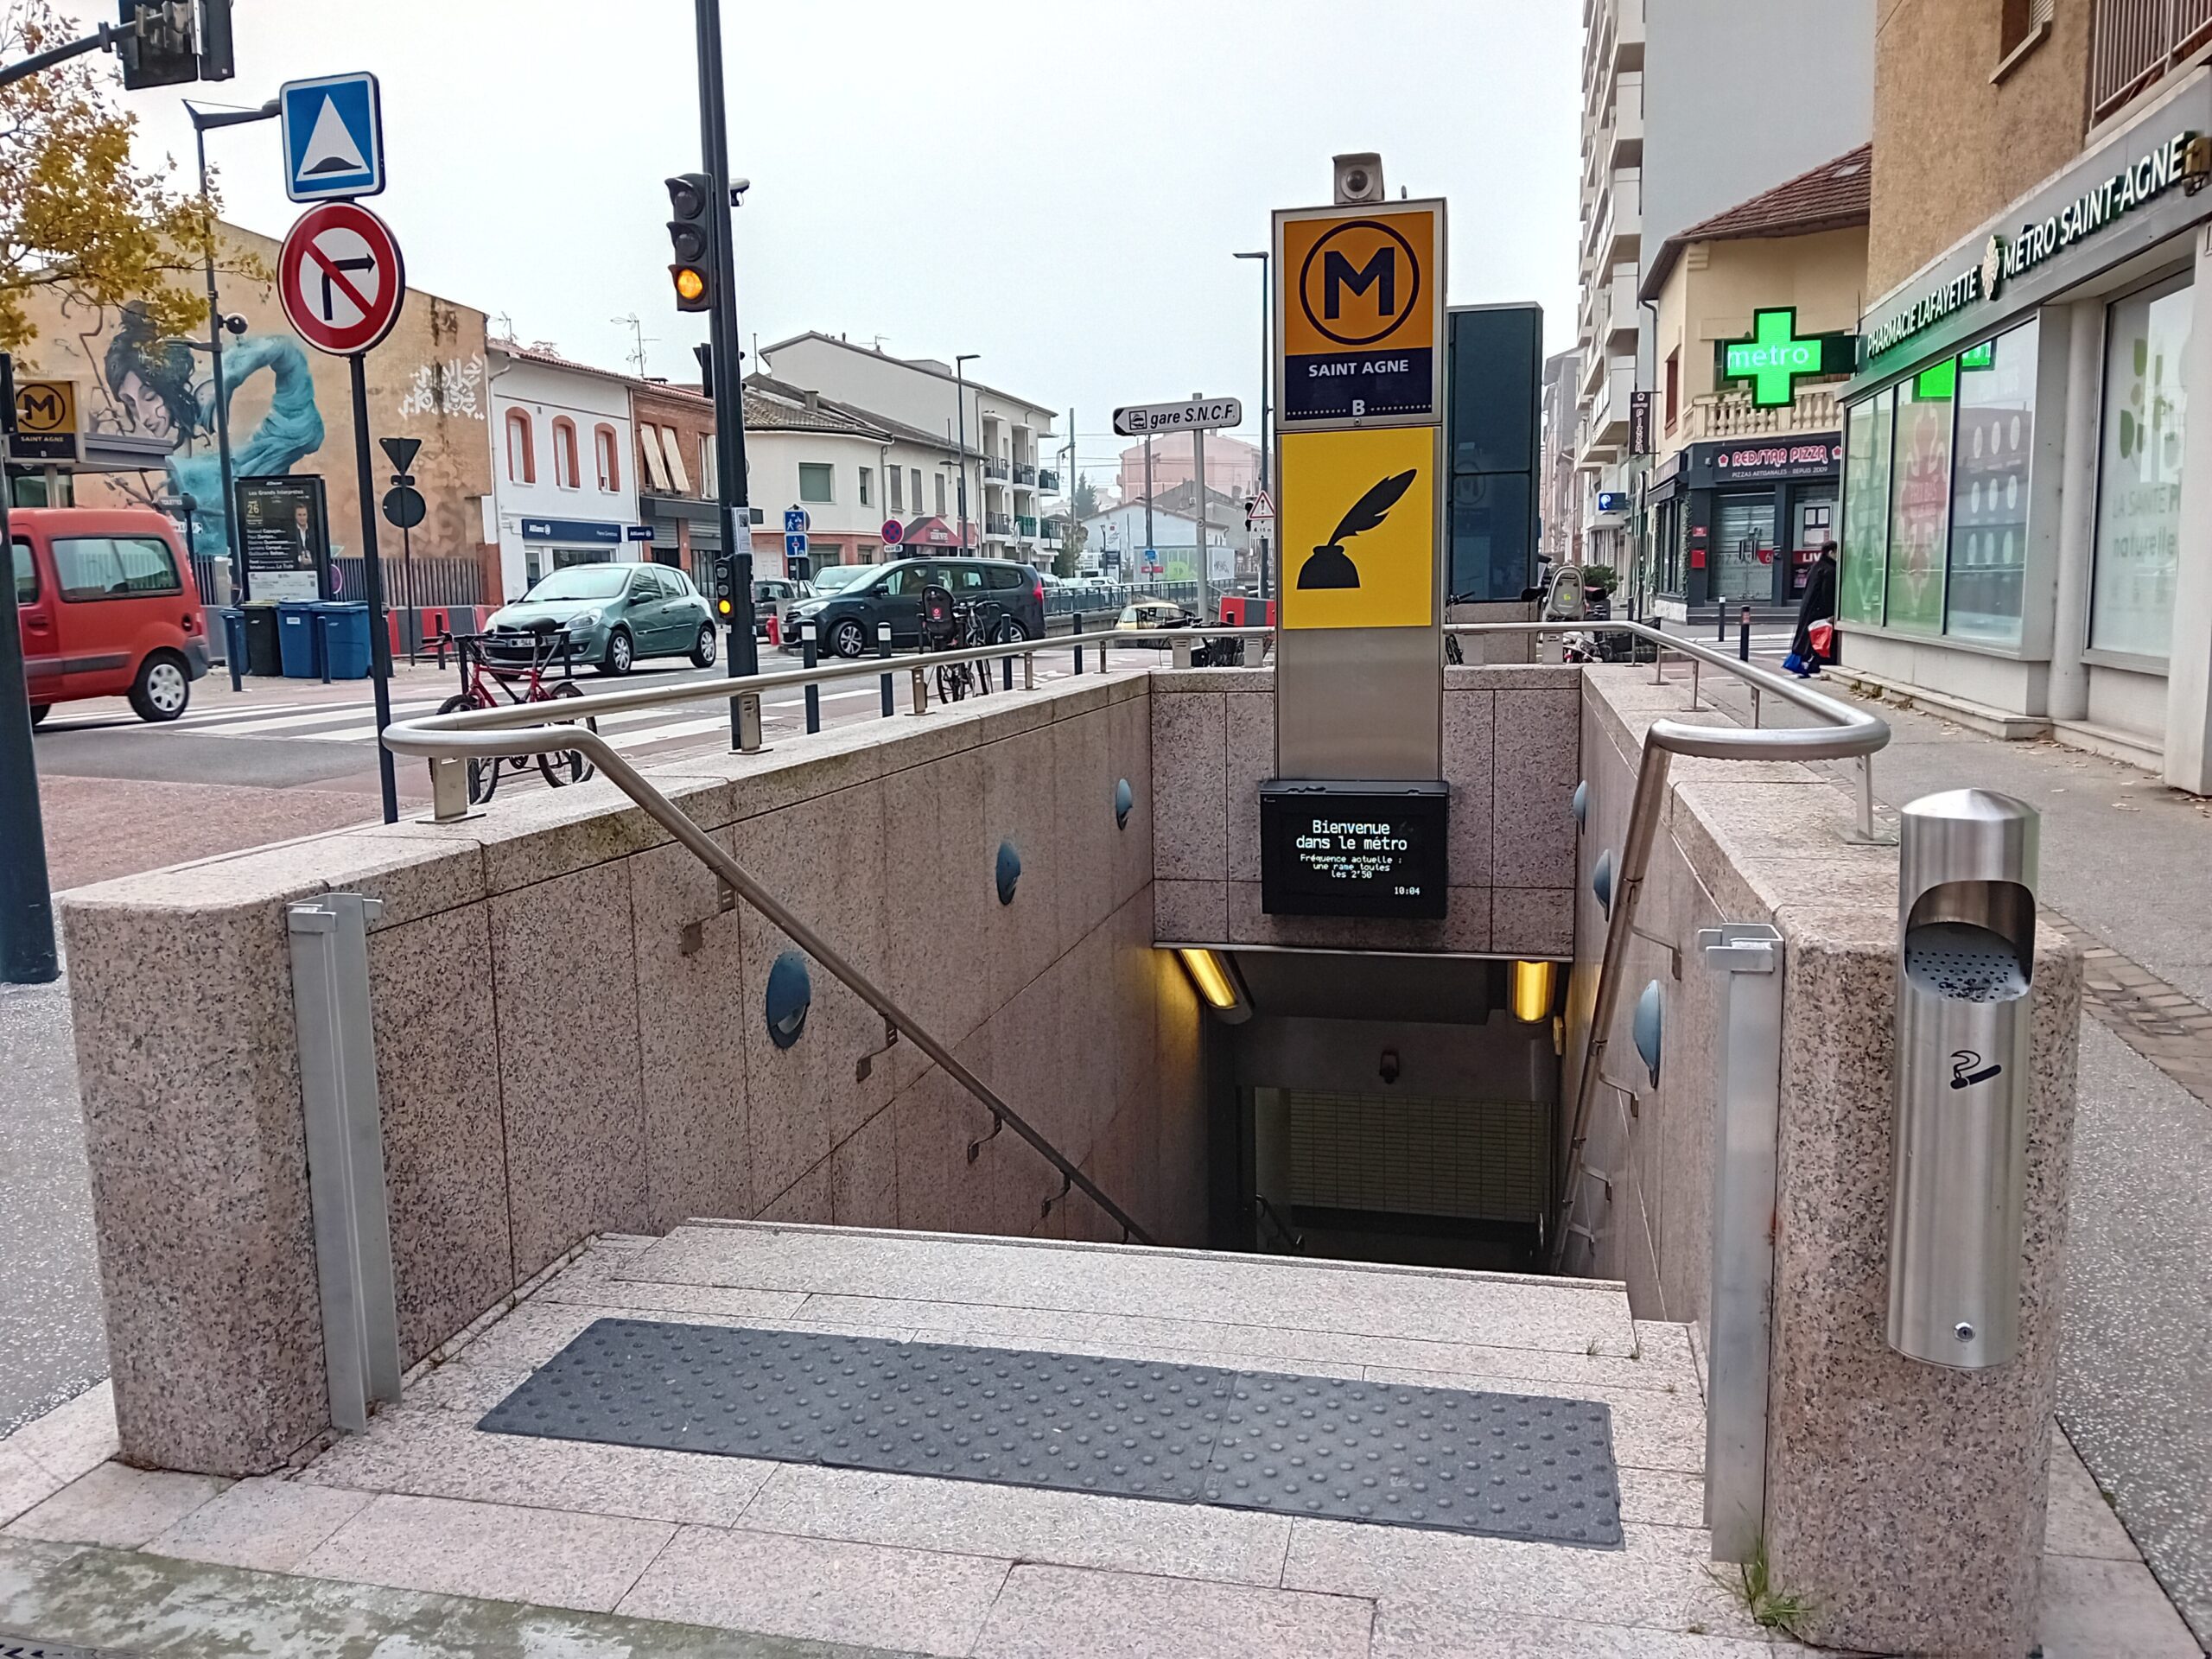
<point>1352,849</point>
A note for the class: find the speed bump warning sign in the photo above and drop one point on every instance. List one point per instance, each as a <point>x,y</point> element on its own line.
<point>1362,299</point>
<point>1359,529</point>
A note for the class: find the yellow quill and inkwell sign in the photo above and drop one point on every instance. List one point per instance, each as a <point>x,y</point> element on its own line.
<point>1359,529</point>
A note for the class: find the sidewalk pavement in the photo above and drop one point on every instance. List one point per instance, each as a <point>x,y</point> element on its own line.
<point>2127,872</point>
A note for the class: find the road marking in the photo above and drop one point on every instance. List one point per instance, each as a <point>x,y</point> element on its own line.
<point>254,728</point>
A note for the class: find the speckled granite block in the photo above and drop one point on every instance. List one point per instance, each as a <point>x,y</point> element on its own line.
<point>1193,912</point>
<point>1532,921</point>
<point>1248,732</point>
<point>1016,941</point>
<point>1129,722</point>
<point>568,1071</point>
<point>191,1100</point>
<point>1904,1500</point>
<point>1082,845</point>
<point>1468,764</point>
<point>1190,830</point>
<point>1538,762</point>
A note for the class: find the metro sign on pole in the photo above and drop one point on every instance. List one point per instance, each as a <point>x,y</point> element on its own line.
<point>1196,415</point>
<point>1359,297</point>
<point>340,278</point>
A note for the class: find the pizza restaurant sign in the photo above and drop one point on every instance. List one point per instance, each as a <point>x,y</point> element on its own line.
<point>2007,259</point>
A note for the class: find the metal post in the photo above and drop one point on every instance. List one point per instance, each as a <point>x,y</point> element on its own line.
<point>1006,673</point>
<point>883,650</point>
<point>323,620</point>
<point>1720,621</point>
<point>1743,636</point>
<point>960,460</point>
<point>1149,543</point>
<point>1694,666</point>
<point>1076,617</point>
<point>1748,956</point>
<point>732,509</point>
<point>1198,512</point>
<point>1658,653</point>
<point>340,1116</point>
<point>748,722</point>
<point>1029,670</point>
<point>813,692</point>
<point>27,950</point>
<point>1267,389</point>
<point>364,476</point>
<point>918,689</point>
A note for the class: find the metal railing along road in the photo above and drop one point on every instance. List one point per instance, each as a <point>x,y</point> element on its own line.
<point>448,741</point>
<point>1848,734</point>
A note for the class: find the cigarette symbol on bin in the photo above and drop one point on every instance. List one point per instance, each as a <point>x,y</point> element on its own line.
<point>1964,1071</point>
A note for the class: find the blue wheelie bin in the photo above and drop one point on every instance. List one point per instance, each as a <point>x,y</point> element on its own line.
<point>299,643</point>
<point>345,638</point>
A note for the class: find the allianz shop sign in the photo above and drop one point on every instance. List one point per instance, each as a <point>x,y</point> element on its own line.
<point>2183,159</point>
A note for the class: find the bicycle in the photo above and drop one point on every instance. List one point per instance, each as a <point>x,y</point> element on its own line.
<point>484,682</point>
<point>947,626</point>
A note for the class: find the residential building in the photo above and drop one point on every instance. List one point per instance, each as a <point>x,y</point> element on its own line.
<point>1008,491</point>
<point>1660,153</point>
<point>1559,512</point>
<point>1118,534</point>
<point>563,491</point>
<point>1741,495</point>
<point>676,478</point>
<point>1232,466</point>
<point>2027,527</point>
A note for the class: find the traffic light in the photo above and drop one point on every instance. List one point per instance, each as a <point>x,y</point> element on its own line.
<point>706,356</point>
<point>691,236</point>
<point>176,41</point>
<point>725,587</point>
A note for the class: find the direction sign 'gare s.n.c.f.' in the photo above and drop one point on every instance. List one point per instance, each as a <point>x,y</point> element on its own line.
<point>340,278</point>
<point>1360,291</point>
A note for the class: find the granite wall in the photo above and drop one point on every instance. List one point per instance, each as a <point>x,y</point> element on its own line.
<point>1905,1501</point>
<point>1509,755</point>
<point>570,1040</point>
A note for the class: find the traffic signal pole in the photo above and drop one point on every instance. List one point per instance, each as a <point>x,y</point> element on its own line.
<point>27,952</point>
<point>733,506</point>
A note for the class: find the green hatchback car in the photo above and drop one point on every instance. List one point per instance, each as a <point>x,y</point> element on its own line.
<point>615,614</point>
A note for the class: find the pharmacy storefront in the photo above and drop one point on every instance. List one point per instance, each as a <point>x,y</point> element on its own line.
<point>2027,515</point>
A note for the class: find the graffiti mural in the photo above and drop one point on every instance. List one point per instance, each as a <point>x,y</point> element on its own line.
<point>163,389</point>
<point>447,388</point>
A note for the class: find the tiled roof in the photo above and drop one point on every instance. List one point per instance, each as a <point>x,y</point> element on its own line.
<point>776,409</point>
<point>1833,196</point>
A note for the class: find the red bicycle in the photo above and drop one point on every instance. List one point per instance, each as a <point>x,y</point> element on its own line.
<point>520,673</point>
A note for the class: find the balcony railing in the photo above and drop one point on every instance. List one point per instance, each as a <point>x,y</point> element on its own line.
<point>1026,526</point>
<point>1024,473</point>
<point>2137,42</point>
<point>1048,480</point>
<point>1733,414</point>
<point>994,468</point>
<point>998,524</point>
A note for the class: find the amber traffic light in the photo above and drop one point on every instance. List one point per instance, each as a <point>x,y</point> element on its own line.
<point>690,238</point>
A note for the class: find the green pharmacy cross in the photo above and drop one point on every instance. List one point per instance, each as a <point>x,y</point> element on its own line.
<point>1776,354</point>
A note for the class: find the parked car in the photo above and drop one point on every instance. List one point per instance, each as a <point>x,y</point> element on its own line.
<point>845,621</point>
<point>773,596</point>
<point>615,614</point>
<point>106,604</point>
<point>1154,614</point>
<point>836,578</point>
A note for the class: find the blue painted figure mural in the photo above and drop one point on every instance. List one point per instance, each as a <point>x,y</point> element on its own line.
<point>156,390</point>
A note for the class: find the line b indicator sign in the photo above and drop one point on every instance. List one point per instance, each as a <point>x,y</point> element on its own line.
<point>1361,297</point>
<point>341,279</point>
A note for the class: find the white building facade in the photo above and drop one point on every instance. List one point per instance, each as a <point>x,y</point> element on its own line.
<point>1011,492</point>
<point>564,487</point>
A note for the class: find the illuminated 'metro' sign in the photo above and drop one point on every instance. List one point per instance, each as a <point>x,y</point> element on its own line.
<point>1775,355</point>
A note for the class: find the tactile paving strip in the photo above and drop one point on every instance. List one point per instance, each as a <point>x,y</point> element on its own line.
<point>1507,1465</point>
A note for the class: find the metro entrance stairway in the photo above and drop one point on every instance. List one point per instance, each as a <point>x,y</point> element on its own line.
<point>427,1501</point>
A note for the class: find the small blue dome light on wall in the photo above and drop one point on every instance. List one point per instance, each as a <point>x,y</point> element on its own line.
<point>1648,1028</point>
<point>791,993</point>
<point>1124,798</point>
<point>1601,883</point>
<point>1009,872</point>
<point>1582,802</point>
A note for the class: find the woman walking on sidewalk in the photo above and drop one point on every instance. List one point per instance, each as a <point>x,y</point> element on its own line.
<point>1816,636</point>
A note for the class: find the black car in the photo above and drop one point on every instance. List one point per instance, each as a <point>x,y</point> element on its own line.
<point>845,622</point>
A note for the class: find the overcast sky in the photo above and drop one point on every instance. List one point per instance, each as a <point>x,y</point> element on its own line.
<point>1057,187</point>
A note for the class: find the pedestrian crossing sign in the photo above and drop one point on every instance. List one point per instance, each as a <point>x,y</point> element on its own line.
<point>333,138</point>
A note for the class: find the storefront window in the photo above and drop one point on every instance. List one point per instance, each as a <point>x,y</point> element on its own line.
<point>1920,501</point>
<point>1866,508</point>
<point>2139,471</point>
<point>1743,535</point>
<point>1996,383</point>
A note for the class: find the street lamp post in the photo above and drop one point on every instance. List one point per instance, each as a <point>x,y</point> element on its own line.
<point>1267,388</point>
<point>960,460</point>
<point>204,121</point>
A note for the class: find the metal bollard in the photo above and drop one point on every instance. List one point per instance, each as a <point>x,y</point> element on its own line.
<point>1658,651</point>
<point>1720,621</point>
<point>1006,673</point>
<point>322,643</point>
<point>921,692</point>
<point>1743,636</point>
<point>748,723</point>
<point>1077,618</point>
<point>883,650</point>
<point>1029,670</point>
<point>807,656</point>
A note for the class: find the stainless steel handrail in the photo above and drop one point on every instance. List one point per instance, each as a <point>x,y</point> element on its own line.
<point>542,728</point>
<point>1850,732</point>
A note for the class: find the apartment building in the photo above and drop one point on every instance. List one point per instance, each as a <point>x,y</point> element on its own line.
<point>563,489</point>
<point>1232,466</point>
<point>993,441</point>
<point>1754,319</point>
<point>2027,505</point>
<point>1560,516</point>
<point>1688,107</point>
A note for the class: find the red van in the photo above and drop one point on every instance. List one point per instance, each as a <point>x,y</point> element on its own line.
<point>108,607</point>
